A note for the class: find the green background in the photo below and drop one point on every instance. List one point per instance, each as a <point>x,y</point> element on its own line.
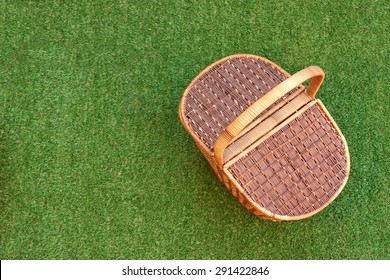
<point>95,163</point>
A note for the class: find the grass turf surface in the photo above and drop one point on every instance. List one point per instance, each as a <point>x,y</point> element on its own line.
<point>96,165</point>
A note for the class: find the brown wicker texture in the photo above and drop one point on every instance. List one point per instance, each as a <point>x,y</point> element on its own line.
<point>274,146</point>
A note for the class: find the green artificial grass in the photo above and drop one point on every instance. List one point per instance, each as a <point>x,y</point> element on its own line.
<point>95,164</point>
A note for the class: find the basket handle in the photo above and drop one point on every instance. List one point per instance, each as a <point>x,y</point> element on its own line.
<point>246,117</point>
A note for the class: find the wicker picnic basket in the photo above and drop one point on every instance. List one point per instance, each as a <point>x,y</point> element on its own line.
<point>270,142</point>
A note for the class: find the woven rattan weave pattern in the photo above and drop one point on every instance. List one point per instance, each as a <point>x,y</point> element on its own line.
<point>221,94</point>
<point>296,170</point>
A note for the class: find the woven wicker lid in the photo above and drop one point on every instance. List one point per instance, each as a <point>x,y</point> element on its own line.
<point>224,90</point>
<point>298,170</point>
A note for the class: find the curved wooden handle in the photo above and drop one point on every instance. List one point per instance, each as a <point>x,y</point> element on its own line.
<point>246,117</point>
